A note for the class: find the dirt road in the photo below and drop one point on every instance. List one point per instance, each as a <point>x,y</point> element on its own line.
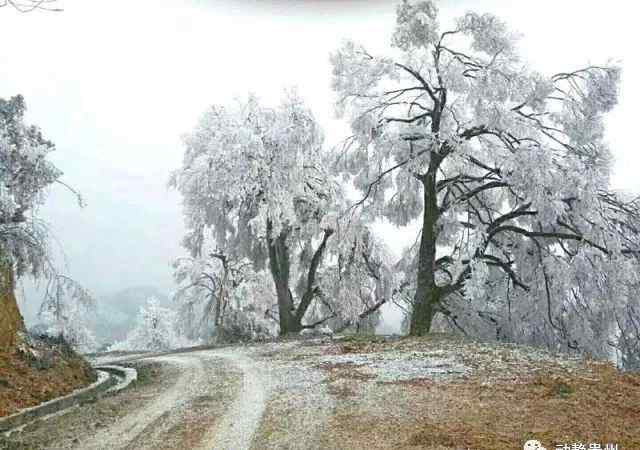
<point>271,396</point>
<point>190,384</point>
<point>223,424</point>
<point>205,400</point>
<point>237,428</point>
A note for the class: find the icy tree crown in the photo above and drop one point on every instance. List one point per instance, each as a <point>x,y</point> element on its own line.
<point>25,173</point>
<point>505,168</point>
<point>250,165</point>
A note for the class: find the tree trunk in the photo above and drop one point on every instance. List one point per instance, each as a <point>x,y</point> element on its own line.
<point>10,318</point>
<point>220,301</point>
<point>279,266</point>
<point>427,294</point>
<point>289,323</point>
<point>424,309</point>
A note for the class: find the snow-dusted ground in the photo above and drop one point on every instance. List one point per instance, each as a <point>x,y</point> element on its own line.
<point>114,358</point>
<point>130,375</point>
<point>189,384</point>
<point>280,384</point>
<point>238,426</point>
<point>401,366</point>
<point>281,395</point>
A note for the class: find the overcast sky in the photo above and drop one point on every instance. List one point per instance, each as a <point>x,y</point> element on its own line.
<point>116,83</point>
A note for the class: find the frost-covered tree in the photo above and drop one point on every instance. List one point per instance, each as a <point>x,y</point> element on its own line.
<point>155,330</point>
<point>216,293</point>
<point>505,169</point>
<point>25,173</point>
<point>357,281</point>
<point>255,182</point>
<point>72,326</point>
<point>66,311</point>
<point>254,176</point>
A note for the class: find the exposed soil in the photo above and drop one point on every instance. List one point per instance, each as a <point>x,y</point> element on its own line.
<point>39,370</point>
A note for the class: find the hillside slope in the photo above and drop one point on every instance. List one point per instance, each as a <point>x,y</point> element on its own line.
<point>37,370</point>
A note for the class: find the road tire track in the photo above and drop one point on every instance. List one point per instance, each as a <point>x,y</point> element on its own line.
<point>241,421</point>
<point>126,430</point>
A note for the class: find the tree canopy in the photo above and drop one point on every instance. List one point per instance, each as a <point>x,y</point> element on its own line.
<point>505,168</point>
<point>256,185</point>
<point>26,173</point>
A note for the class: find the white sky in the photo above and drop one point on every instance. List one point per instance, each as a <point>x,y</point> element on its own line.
<point>116,83</point>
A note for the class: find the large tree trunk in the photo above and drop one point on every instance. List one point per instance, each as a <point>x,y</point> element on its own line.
<point>291,317</point>
<point>279,266</point>
<point>10,318</point>
<point>427,294</point>
<point>424,310</point>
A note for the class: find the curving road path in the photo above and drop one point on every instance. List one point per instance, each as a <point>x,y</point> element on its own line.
<point>150,427</point>
<point>126,430</point>
<point>237,428</point>
<point>234,398</point>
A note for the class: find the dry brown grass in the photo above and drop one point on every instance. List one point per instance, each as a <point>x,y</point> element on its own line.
<point>552,407</point>
<point>418,382</point>
<point>355,344</point>
<point>512,394</point>
<point>345,371</point>
<point>341,391</point>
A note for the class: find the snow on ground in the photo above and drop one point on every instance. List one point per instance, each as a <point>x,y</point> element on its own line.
<point>238,426</point>
<point>272,385</point>
<point>132,425</point>
<point>114,357</point>
<point>298,394</point>
<point>398,366</point>
<point>130,375</point>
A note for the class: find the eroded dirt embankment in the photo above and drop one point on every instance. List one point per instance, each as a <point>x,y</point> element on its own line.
<point>37,370</point>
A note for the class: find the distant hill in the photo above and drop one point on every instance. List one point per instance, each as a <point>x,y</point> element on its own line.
<point>117,312</point>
